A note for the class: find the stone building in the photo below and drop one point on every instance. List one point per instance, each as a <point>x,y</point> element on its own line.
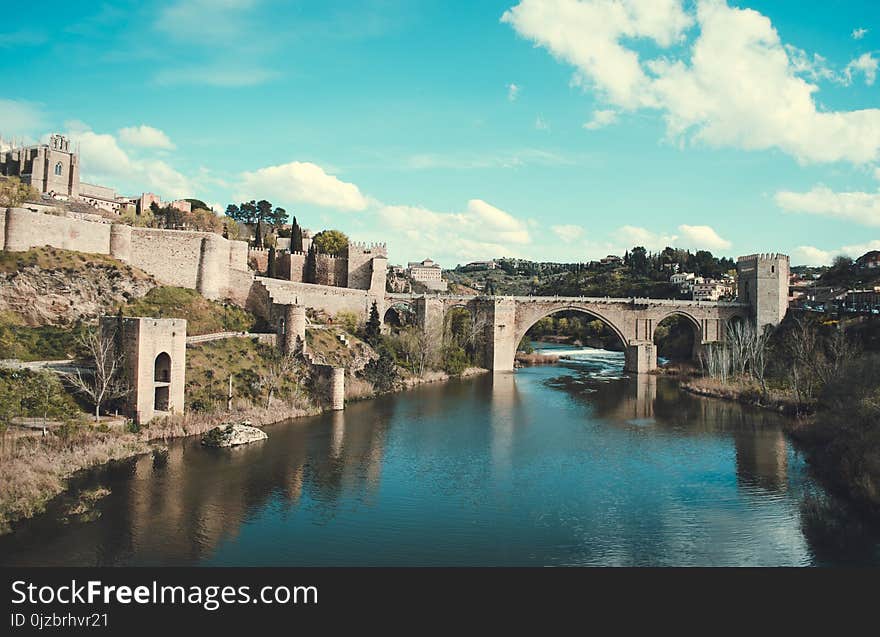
<point>52,169</point>
<point>153,353</point>
<point>427,273</point>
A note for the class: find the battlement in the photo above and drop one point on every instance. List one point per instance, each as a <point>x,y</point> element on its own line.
<point>763,256</point>
<point>378,248</point>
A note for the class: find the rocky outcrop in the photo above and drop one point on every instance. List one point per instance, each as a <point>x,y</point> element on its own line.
<point>233,435</point>
<point>64,296</point>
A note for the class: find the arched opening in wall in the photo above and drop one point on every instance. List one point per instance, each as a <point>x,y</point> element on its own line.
<point>59,169</point>
<point>161,382</point>
<point>399,316</point>
<point>577,336</point>
<point>463,339</point>
<point>676,338</point>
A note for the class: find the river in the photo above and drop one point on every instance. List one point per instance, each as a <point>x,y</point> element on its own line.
<point>573,464</point>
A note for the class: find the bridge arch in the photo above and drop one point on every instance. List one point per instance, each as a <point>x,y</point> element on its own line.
<point>399,314</point>
<point>591,312</point>
<point>674,350</point>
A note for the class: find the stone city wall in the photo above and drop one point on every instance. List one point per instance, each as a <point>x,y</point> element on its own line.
<point>199,260</point>
<point>329,299</point>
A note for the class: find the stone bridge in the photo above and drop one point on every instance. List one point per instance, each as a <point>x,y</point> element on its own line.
<point>505,320</point>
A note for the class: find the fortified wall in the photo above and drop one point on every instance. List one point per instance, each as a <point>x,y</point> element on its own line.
<point>363,266</point>
<point>203,261</point>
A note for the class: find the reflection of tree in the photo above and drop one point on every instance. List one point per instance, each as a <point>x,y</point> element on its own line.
<point>179,508</point>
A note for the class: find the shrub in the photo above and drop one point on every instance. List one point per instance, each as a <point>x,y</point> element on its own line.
<point>381,372</point>
<point>455,360</point>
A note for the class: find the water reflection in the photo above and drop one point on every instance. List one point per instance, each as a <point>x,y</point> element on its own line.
<point>574,464</point>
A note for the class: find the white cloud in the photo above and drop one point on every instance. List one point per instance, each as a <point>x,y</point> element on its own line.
<point>505,159</point>
<point>810,255</point>
<point>480,231</point>
<point>859,249</point>
<point>513,91</point>
<point>568,233</point>
<point>587,34</point>
<point>301,182</point>
<point>212,20</point>
<point>702,238</point>
<point>497,222</point>
<point>735,86</point>
<point>145,137</point>
<point>541,123</point>
<point>861,207</point>
<point>865,64</point>
<point>859,33</point>
<point>105,163</point>
<point>631,236</point>
<point>20,118</point>
<point>601,119</point>
<point>221,75</point>
<point>877,173</point>
<point>815,68</point>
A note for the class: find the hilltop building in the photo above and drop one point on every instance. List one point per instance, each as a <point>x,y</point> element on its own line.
<point>428,273</point>
<point>52,169</point>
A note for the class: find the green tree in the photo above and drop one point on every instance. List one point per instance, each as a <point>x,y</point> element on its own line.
<point>638,260</point>
<point>245,212</point>
<point>14,193</point>
<point>198,203</point>
<point>296,237</point>
<point>381,372</point>
<point>310,273</point>
<point>332,242</point>
<point>372,330</point>
<point>278,217</point>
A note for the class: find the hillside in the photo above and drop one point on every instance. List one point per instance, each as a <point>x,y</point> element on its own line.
<point>638,273</point>
<point>47,286</point>
<point>48,295</point>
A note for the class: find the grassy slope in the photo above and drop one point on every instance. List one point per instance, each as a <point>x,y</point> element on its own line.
<point>202,316</point>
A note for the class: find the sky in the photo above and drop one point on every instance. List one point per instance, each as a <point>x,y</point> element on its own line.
<point>554,130</point>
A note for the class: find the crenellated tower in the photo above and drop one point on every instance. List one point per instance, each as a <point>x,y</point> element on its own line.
<point>762,282</point>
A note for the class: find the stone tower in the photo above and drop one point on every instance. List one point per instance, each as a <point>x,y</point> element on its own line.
<point>154,363</point>
<point>763,284</point>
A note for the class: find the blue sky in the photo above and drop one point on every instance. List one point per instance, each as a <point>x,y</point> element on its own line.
<point>547,129</point>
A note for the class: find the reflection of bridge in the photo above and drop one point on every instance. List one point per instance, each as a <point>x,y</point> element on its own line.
<point>505,320</point>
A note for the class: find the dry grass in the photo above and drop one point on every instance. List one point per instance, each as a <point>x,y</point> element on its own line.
<point>34,470</point>
<point>47,258</point>
<point>536,359</point>
<point>748,392</point>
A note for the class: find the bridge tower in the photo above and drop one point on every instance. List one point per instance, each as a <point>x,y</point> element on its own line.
<point>763,284</point>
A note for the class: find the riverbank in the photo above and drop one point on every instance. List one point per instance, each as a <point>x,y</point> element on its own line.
<point>747,393</point>
<point>35,469</point>
<point>842,446</point>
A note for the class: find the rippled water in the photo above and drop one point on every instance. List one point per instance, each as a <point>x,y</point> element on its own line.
<point>575,464</point>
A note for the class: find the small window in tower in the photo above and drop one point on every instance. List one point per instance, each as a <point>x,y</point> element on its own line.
<point>59,168</point>
<point>772,269</point>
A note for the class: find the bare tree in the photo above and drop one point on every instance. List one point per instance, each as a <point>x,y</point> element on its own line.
<point>419,349</point>
<point>739,337</point>
<point>757,356</point>
<point>280,367</point>
<point>103,380</point>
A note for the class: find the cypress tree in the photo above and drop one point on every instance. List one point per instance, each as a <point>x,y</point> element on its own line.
<point>311,270</point>
<point>296,237</point>
<point>373,326</point>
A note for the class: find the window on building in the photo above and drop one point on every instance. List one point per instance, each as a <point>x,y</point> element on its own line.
<point>59,169</point>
